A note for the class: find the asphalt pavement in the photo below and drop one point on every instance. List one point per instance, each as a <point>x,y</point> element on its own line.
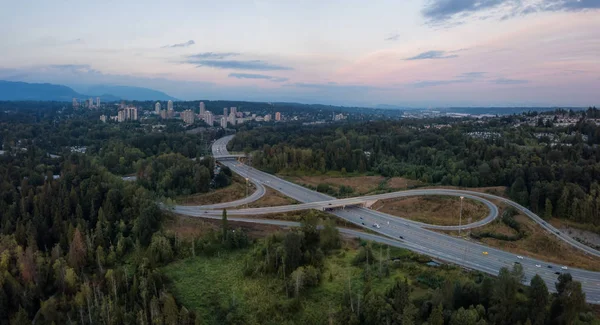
<point>414,236</point>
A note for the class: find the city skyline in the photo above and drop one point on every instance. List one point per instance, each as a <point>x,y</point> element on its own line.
<point>419,54</point>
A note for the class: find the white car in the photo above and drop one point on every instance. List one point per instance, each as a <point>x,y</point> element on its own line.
<point>564,268</point>
<point>520,257</point>
<point>537,265</point>
<point>376,225</point>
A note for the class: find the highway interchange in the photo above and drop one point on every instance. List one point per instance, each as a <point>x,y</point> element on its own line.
<point>397,231</point>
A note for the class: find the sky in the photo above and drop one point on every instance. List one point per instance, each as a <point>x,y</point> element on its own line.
<point>431,53</point>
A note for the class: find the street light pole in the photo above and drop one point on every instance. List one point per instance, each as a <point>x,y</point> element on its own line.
<point>460,217</point>
<point>246,190</point>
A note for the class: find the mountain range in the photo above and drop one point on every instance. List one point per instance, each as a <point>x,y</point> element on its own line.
<point>14,91</point>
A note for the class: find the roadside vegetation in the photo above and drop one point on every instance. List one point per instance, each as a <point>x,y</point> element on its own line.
<point>550,169</point>
<point>517,233</point>
<point>311,276</point>
<point>433,209</point>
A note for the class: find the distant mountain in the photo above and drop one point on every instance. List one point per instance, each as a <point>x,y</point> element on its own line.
<point>127,92</point>
<point>15,90</point>
<point>10,90</point>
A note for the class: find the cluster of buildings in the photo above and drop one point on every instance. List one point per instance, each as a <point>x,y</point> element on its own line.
<point>87,103</point>
<point>230,116</point>
<point>125,113</point>
<point>339,117</point>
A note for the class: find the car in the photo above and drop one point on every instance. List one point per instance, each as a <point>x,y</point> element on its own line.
<point>564,268</point>
<point>520,257</point>
<point>485,253</point>
<point>401,237</point>
<point>363,223</point>
<point>549,266</point>
<point>360,218</point>
<point>330,204</point>
<point>557,273</point>
<point>517,263</point>
<point>376,225</point>
<point>537,265</point>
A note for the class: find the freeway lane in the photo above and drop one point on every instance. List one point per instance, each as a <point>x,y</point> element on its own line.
<point>321,205</point>
<point>416,238</point>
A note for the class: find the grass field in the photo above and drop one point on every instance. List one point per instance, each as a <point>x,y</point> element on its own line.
<point>235,191</point>
<point>436,210</point>
<point>187,228</point>
<point>362,185</point>
<point>272,198</point>
<point>214,286</point>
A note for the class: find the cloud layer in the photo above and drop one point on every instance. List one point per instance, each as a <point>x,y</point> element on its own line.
<point>256,65</point>
<point>186,44</point>
<point>393,37</point>
<point>468,77</point>
<point>213,55</point>
<point>257,76</point>
<point>432,55</point>
<point>442,11</point>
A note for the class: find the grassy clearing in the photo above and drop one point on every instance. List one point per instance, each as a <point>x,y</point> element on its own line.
<point>272,198</point>
<point>360,184</point>
<point>494,190</point>
<point>188,228</point>
<point>436,210</point>
<point>214,286</point>
<point>235,191</point>
<point>537,244</point>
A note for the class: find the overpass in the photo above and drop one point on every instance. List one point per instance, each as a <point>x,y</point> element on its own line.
<point>408,234</point>
<point>229,156</point>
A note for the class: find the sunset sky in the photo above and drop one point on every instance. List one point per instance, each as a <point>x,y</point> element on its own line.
<point>368,53</point>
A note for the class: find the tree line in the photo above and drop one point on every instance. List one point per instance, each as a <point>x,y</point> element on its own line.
<point>552,177</point>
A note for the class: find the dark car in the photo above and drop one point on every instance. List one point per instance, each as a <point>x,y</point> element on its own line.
<point>557,273</point>
<point>360,218</point>
<point>363,223</point>
<point>549,266</point>
<point>517,263</point>
<point>401,237</point>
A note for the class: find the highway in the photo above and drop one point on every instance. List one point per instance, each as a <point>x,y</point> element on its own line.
<point>347,203</point>
<point>414,236</point>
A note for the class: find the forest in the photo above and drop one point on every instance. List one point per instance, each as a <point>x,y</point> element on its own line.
<point>552,170</point>
<point>78,245</point>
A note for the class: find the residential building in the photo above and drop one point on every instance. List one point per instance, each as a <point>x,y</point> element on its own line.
<point>231,119</point>
<point>202,109</point>
<point>131,113</point>
<point>90,103</point>
<point>163,114</point>
<point>188,116</point>
<point>97,102</point>
<point>225,111</point>
<point>339,117</point>
<point>224,122</point>
<point>75,103</point>
<point>277,116</point>
<point>268,118</point>
<point>170,105</point>
<point>234,110</point>
<point>208,118</point>
<point>157,108</point>
<point>121,116</point>
<point>103,118</point>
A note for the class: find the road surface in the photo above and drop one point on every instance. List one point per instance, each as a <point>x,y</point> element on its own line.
<point>404,233</point>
